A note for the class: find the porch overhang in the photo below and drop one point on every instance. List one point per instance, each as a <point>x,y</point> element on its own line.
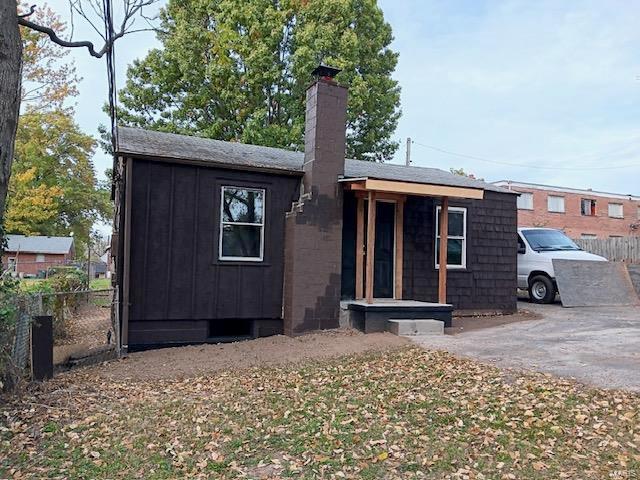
<point>372,190</point>
<point>411,188</point>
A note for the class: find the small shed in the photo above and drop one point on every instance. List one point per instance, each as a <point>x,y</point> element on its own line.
<point>221,240</point>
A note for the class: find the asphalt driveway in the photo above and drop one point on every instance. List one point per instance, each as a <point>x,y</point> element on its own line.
<point>595,345</point>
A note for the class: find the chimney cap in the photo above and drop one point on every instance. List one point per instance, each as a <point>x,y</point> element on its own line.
<point>325,71</point>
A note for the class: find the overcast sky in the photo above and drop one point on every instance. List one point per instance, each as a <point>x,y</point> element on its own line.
<point>543,91</point>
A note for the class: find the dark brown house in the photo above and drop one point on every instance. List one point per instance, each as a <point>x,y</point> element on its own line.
<point>220,240</point>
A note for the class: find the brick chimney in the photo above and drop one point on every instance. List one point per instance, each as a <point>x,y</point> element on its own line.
<point>325,131</point>
<point>313,235</point>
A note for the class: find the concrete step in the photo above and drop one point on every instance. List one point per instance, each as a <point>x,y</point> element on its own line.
<point>416,326</point>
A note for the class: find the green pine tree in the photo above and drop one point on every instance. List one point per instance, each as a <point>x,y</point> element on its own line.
<point>238,69</point>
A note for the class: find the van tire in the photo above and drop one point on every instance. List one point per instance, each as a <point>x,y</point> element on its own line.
<point>541,289</point>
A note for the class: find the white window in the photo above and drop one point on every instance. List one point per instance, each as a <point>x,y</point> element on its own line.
<point>525,201</point>
<point>616,210</point>
<point>241,224</point>
<point>40,257</point>
<point>555,204</point>
<point>456,238</point>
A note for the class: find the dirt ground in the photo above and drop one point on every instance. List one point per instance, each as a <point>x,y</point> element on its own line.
<point>467,324</point>
<point>189,361</point>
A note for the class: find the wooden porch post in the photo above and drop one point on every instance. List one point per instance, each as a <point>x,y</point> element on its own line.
<point>371,242</point>
<point>359,248</point>
<point>444,233</point>
<point>399,248</point>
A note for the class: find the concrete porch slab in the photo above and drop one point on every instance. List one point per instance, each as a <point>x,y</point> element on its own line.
<point>373,317</point>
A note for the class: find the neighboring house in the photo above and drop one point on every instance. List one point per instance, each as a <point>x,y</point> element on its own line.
<point>29,256</point>
<point>579,213</point>
<point>107,259</point>
<point>220,240</point>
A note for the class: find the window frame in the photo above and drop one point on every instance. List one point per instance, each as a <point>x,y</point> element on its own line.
<point>621,205</point>
<point>463,266</point>
<point>593,211</point>
<point>530,194</point>
<point>41,256</point>
<point>564,206</point>
<point>222,223</point>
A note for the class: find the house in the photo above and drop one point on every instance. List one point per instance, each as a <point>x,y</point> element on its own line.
<point>579,213</point>
<point>33,255</point>
<point>220,240</point>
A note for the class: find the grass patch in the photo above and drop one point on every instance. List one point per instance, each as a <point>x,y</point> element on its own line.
<point>401,414</point>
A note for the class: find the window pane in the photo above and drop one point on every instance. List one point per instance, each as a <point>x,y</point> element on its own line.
<point>456,224</point>
<point>615,210</point>
<point>525,201</point>
<point>555,204</point>
<point>242,205</point>
<point>241,241</point>
<point>454,251</point>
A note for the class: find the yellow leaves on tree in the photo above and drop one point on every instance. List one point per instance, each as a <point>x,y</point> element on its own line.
<point>47,79</point>
<point>33,205</point>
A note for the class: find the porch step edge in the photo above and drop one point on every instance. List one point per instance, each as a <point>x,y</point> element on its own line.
<point>415,326</point>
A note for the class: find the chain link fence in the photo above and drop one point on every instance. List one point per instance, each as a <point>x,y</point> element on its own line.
<point>85,329</point>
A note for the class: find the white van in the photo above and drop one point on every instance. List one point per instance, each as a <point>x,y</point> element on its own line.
<point>537,247</point>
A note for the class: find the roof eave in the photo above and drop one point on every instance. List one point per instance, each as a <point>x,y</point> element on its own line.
<point>211,163</point>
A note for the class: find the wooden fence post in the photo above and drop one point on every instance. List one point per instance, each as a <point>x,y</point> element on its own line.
<point>42,348</point>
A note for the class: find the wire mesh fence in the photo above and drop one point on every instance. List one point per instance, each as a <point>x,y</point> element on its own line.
<point>85,328</point>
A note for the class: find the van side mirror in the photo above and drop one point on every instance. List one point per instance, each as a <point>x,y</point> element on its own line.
<point>522,249</point>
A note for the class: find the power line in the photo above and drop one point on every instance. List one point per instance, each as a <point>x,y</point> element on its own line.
<point>498,162</point>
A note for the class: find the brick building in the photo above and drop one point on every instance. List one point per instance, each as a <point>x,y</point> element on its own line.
<point>27,256</point>
<point>579,213</point>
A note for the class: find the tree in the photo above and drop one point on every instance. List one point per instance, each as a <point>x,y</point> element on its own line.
<point>460,171</point>
<point>11,62</point>
<point>54,190</point>
<point>47,79</point>
<point>237,70</point>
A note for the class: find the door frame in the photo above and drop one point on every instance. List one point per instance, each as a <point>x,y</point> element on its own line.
<point>393,256</point>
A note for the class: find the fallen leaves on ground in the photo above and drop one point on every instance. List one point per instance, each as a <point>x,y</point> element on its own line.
<point>404,413</point>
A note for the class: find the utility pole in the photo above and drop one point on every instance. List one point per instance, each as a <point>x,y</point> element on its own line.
<point>89,262</point>
<point>408,151</point>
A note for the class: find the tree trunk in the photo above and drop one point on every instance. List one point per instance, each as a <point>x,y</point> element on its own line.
<point>10,70</point>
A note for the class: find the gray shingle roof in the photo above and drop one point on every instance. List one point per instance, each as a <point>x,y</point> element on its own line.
<point>22,243</point>
<point>149,143</point>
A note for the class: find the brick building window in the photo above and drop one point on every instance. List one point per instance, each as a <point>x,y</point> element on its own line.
<point>588,235</point>
<point>616,210</point>
<point>40,257</point>
<point>588,207</point>
<point>555,204</point>
<point>525,201</point>
<point>241,224</point>
<point>456,238</point>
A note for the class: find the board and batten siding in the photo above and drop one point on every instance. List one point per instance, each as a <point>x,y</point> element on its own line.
<point>177,283</point>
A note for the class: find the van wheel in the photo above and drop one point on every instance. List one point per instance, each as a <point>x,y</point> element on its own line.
<point>541,289</point>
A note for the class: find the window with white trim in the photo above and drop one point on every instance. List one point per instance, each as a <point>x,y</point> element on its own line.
<point>555,204</point>
<point>456,238</point>
<point>616,210</point>
<point>241,224</point>
<point>525,201</point>
<point>40,257</point>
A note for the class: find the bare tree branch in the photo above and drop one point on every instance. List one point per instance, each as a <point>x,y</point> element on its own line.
<point>131,9</point>
<point>32,9</point>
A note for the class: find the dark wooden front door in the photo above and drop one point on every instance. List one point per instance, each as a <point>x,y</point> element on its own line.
<point>383,262</point>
